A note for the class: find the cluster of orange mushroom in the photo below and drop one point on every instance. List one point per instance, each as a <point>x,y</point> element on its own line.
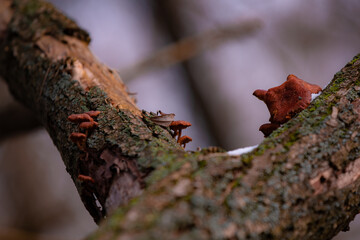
<point>177,127</point>
<point>286,100</point>
<point>86,123</point>
<point>167,120</point>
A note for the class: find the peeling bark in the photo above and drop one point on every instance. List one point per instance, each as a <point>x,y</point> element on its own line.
<point>302,182</point>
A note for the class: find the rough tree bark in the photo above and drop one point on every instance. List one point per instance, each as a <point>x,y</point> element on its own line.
<point>302,182</point>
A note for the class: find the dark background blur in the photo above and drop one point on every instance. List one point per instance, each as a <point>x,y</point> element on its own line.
<point>209,83</point>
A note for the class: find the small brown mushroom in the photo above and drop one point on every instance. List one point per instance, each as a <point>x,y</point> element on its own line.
<point>178,126</point>
<point>286,100</point>
<point>313,88</point>
<point>79,139</point>
<point>291,97</point>
<point>88,125</point>
<point>184,140</point>
<point>85,178</point>
<point>79,118</point>
<point>93,113</point>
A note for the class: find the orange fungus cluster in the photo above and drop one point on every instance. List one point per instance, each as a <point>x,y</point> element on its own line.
<point>85,123</point>
<point>286,100</point>
<point>167,120</point>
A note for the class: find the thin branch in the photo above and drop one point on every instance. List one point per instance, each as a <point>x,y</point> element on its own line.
<point>189,47</point>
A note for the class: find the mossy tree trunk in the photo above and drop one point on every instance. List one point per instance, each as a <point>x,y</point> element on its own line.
<point>302,182</point>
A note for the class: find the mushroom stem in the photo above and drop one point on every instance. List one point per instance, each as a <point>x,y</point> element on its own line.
<point>81,146</point>
<point>179,135</point>
<point>79,139</point>
<point>175,133</point>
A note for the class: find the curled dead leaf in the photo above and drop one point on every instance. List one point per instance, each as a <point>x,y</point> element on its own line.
<point>164,119</point>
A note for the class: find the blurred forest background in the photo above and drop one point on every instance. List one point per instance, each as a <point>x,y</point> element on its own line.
<point>201,60</point>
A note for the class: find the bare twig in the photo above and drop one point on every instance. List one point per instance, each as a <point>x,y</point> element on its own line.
<point>191,46</point>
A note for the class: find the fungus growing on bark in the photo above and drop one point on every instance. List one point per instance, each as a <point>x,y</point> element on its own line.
<point>178,126</point>
<point>79,118</point>
<point>93,113</point>
<point>286,100</point>
<point>86,122</point>
<point>79,139</point>
<point>85,178</point>
<point>184,140</point>
<point>88,125</point>
<point>167,120</point>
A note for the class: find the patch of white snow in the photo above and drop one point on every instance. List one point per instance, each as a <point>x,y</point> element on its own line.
<point>240,151</point>
<point>315,95</point>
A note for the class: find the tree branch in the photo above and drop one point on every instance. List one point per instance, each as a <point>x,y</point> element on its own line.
<point>47,64</point>
<point>188,47</point>
<point>300,183</point>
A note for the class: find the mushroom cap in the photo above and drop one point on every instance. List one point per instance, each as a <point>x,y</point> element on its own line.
<point>313,88</point>
<point>93,113</point>
<point>85,178</point>
<point>79,118</point>
<point>177,125</point>
<point>291,97</point>
<point>88,125</point>
<point>75,136</point>
<point>184,139</point>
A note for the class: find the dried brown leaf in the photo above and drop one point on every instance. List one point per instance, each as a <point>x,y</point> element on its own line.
<point>164,120</point>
